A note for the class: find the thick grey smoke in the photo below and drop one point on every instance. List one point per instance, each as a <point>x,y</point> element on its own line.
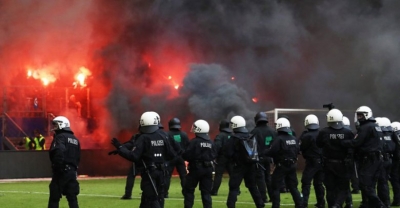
<point>212,94</point>
<point>287,54</point>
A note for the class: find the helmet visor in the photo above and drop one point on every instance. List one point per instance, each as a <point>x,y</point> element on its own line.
<point>56,125</point>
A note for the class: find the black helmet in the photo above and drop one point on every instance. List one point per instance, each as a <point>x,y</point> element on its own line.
<point>174,123</point>
<point>261,116</point>
<point>224,126</point>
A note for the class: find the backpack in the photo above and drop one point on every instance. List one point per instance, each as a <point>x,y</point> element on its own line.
<point>250,146</point>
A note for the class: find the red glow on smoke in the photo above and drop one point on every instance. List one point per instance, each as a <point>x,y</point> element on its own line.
<point>168,70</point>
<point>41,49</point>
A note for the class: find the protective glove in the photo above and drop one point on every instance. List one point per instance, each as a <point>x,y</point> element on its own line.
<point>116,143</point>
<point>114,152</point>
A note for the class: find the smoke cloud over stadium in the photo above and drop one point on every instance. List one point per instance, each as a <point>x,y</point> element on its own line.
<point>209,59</point>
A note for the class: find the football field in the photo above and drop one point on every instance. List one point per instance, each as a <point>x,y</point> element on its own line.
<point>106,192</point>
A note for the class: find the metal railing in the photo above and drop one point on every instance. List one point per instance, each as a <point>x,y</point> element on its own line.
<point>16,125</point>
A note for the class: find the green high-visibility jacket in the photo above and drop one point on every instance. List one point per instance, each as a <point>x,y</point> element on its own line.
<point>37,141</point>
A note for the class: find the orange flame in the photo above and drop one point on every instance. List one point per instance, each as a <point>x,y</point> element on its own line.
<point>45,81</point>
<point>81,77</point>
<point>43,74</point>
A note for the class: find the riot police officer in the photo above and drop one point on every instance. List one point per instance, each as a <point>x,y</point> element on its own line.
<point>284,151</point>
<point>283,188</point>
<point>65,152</point>
<point>313,156</point>
<point>367,144</point>
<point>133,171</point>
<point>353,172</point>
<point>354,176</point>
<point>242,148</point>
<point>338,166</point>
<point>200,154</point>
<point>265,136</point>
<point>182,140</point>
<point>388,150</point>
<point>222,163</point>
<point>152,150</point>
<point>176,148</point>
<point>394,175</point>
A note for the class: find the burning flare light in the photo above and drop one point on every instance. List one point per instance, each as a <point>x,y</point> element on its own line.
<point>81,77</point>
<point>176,85</point>
<point>46,76</point>
<point>42,74</point>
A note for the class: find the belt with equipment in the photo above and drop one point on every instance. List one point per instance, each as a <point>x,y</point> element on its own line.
<point>334,161</point>
<point>371,156</point>
<point>199,163</point>
<point>387,156</point>
<point>70,168</point>
<point>156,166</point>
<point>287,162</point>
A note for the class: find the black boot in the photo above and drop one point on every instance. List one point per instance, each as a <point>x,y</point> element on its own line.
<point>126,197</point>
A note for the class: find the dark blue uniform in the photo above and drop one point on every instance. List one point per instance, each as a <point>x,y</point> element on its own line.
<point>133,171</point>
<point>152,150</point>
<point>367,145</point>
<point>314,168</point>
<point>284,151</point>
<point>65,153</point>
<point>200,154</point>
<point>337,168</point>
<point>395,172</point>
<point>388,149</point>
<point>242,169</point>
<point>265,135</point>
<point>182,140</point>
<point>223,163</point>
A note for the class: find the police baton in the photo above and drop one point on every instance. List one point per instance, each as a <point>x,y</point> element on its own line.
<point>355,169</point>
<point>262,167</point>
<point>151,179</point>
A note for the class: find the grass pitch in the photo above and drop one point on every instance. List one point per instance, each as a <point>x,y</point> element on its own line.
<point>106,192</point>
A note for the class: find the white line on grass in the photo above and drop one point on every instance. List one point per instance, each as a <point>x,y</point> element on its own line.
<point>114,196</point>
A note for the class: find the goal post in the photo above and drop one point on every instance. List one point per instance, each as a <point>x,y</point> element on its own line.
<point>297,116</point>
<point>276,111</point>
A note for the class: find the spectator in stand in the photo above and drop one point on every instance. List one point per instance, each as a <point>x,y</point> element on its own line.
<point>75,104</point>
<point>37,142</point>
<point>28,143</point>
